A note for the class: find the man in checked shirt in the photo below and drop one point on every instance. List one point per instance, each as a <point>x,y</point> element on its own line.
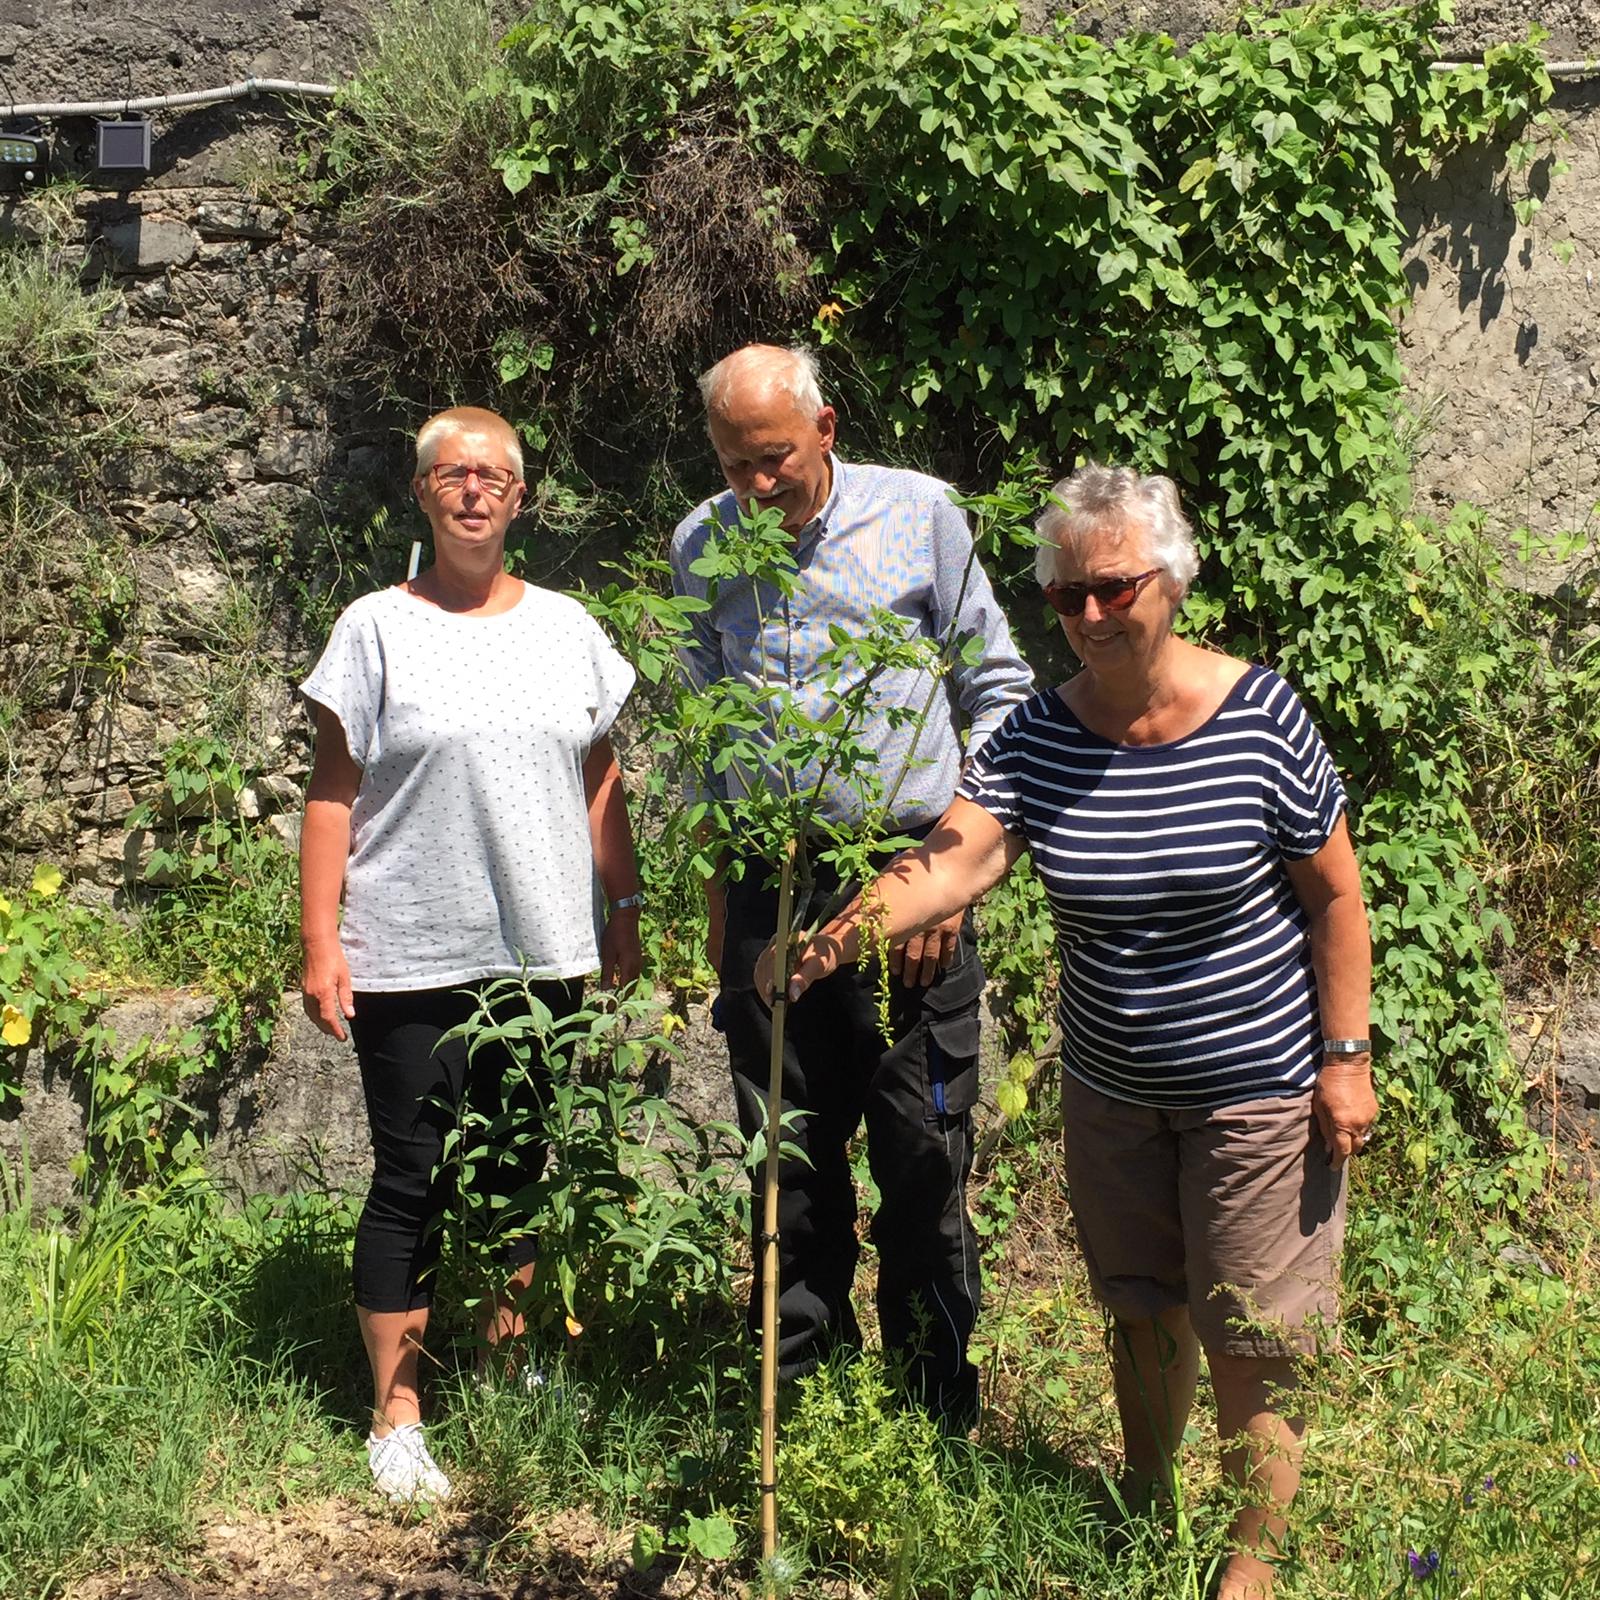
<point>865,537</point>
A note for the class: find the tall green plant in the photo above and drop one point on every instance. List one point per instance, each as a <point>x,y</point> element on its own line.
<point>632,1209</point>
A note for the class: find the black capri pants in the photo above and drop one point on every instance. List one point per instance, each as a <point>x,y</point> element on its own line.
<point>416,1087</point>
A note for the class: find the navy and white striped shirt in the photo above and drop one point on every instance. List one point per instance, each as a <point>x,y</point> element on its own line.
<point>1186,974</point>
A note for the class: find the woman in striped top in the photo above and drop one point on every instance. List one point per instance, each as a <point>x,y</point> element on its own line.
<point>1189,829</point>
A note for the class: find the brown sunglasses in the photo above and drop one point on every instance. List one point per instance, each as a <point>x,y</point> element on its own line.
<point>1112,594</point>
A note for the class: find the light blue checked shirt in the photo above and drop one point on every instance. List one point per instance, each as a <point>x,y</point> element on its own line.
<point>884,539</point>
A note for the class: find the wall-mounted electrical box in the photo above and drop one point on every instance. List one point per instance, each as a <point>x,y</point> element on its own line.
<point>123,146</point>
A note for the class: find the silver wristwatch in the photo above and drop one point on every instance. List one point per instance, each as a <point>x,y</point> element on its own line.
<point>1347,1047</point>
<point>628,902</point>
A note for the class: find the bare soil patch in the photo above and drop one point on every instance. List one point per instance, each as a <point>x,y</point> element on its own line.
<point>336,1550</point>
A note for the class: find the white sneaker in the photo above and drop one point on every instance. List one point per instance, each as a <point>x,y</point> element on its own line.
<point>403,1470</point>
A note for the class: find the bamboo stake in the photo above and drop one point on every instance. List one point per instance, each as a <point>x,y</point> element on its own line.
<point>769,1224</point>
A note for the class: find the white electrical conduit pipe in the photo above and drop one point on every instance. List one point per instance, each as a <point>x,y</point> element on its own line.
<point>247,88</point>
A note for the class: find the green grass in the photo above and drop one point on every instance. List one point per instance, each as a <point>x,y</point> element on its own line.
<point>164,1359</point>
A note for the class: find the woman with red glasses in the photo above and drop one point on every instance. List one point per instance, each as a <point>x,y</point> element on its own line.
<point>1189,829</point>
<point>466,803</point>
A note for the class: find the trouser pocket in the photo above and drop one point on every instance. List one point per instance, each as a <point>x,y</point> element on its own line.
<point>951,1032</point>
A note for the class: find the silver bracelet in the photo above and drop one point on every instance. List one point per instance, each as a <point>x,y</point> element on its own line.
<point>1347,1047</point>
<point>628,902</point>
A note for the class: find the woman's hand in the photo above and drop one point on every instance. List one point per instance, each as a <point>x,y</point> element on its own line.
<point>325,989</point>
<point>1346,1106</point>
<point>621,955</point>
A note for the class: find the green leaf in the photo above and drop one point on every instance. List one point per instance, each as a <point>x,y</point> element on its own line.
<point>1116,263</point>
<point>517,172</point>
<point>648,1543</point>
<point>713,1537</point>
<point>1012,1099</point>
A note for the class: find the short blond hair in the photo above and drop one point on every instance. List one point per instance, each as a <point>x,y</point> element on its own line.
<point>447,424</point>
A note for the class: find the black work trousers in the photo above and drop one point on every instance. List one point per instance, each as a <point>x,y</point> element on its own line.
<point>914,1090</point>
<point>416,1082</point>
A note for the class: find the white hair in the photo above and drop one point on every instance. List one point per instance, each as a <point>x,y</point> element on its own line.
<point>1110,503</point>
<point>792,372</point>
<point>466,419</point>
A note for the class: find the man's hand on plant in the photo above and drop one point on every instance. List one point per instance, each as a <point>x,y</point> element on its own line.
<point>820,956</point>
<point>925,955</point>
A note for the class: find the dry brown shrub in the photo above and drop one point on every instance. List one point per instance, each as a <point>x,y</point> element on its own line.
<point>725,223</point>
<point>425,283</point>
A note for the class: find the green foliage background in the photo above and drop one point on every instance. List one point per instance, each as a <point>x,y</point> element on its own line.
<point>1021,250</point>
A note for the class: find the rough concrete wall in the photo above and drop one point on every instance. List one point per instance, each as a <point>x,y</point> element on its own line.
<point>99,49</point>
<point>1502,341</point>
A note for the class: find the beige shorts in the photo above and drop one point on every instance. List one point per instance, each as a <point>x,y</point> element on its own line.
<point>1233,1212</point>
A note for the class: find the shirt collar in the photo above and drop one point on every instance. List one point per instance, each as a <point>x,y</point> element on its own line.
<point>818,526</point>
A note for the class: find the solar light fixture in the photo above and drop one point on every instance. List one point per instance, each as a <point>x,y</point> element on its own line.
<point>24,152</point>
<point>123,146</point>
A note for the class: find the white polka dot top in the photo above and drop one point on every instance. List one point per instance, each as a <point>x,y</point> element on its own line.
<point>470,849</point>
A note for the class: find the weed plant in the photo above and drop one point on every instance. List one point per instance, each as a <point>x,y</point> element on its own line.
<point>72,605</point>
<point>163,1357</point>
<point>53,338</point>
<point>632,1208</point>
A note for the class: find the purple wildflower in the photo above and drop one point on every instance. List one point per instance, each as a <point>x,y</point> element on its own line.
<point>1488,1484</point>
<point>1572,1459</point>
<point>1423,1566</point>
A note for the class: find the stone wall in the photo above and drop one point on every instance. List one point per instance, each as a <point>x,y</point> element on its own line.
<point>233,439</point>
<point>242,448</point>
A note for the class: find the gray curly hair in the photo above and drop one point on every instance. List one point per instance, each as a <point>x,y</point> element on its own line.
<point>1098,502</point>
